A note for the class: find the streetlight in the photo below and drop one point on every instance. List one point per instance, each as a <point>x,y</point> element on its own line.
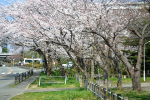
<point>144,60</point>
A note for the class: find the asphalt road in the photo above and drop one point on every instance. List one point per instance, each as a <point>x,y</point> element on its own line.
<point>7,78</point>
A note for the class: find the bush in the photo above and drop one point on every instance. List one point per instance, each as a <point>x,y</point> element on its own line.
<point>124,72</point>
<point>55,73</point>
<point>72,72</point>
<point>35,65</point>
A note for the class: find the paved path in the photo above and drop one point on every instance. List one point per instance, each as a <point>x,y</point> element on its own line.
<point>145,86</point>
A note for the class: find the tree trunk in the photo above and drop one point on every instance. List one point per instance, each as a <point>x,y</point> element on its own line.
<point>112,72</point>
<point>85,73</point>
<point>49,69</point>
<point>105,70</point>
<point>119,79</point>
<point>92,71</point>
<point>69,70</point>
<point>77,74</point>
<point>62,70</point>
<point>81,64</point>
<point>136,83</point>
<point>128,74</point>
<point>42,54</point>
<point>44,61</point>
<point>134,75</point>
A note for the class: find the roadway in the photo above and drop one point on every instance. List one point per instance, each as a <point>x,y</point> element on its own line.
<point>7,78</point>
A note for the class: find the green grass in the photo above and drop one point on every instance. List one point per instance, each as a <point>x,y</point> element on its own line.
<point>128,80</point>
<point>132,95</point>
<point>71,82</point>
<point>77,94</point>
<point>12,86</point>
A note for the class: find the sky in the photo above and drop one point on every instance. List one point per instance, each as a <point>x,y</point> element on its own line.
<point>3,1</point>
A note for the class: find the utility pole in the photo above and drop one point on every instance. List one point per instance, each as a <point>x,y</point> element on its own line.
<point>144,61</point>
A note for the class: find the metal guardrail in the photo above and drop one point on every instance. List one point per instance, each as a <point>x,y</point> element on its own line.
<point>22,76</point>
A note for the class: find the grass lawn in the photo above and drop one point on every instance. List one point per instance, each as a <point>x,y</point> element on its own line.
<point>127,92</point>
<point>71,83</point>
<point>128,80</point>
<point>142,95</point>
<point>77,94</point>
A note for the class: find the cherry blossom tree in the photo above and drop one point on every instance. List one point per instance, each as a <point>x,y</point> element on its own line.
<point>110,27</point>
<point>72,25</point>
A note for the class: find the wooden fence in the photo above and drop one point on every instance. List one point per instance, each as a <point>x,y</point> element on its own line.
<point>22,76</point>
<point>102,93</point>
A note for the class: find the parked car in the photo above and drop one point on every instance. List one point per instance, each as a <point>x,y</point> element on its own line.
<point>69,64</point>
<point>3,65</point>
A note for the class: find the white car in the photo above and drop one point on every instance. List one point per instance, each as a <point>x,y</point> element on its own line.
<point>64,65</point>
<point>69,64</point>
<point>3,65</point>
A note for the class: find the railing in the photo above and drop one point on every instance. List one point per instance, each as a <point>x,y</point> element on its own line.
<point>102,93</point>
<point>54,81</point>
<point>22,76</point>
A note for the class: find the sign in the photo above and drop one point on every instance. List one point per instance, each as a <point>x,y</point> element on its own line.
<point>89,62</point>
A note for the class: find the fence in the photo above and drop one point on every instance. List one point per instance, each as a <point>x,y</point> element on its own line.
<point>102,93</point>
<point>22,76</point>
